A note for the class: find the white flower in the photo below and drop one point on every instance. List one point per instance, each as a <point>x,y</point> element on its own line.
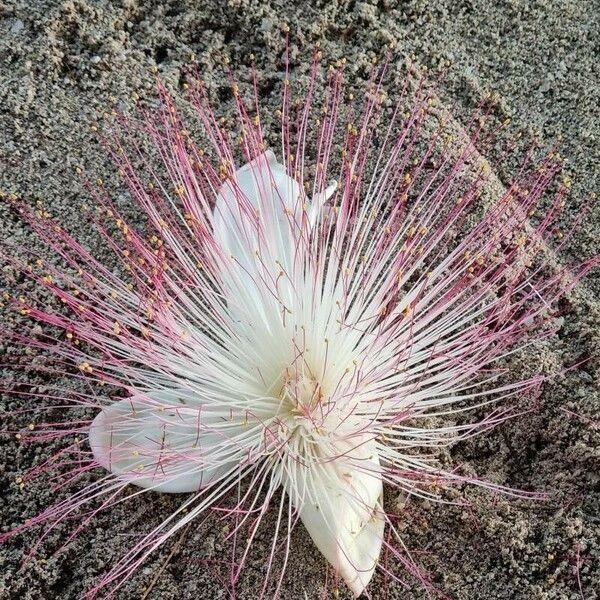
<point>314,344</point>
<point>277,364</point>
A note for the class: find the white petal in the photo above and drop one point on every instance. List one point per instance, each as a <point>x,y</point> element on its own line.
<point>261,185</point>
<point>318,202</point>
<point>154,441</point>
<point>345,518</point>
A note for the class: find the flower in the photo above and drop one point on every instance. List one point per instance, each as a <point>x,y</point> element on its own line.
<point>304,332</point>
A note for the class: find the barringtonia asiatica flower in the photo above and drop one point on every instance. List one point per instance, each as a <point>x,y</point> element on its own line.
<point>309,325</point>
<point>276,382</point>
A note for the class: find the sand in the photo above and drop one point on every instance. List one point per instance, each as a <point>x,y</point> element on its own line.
<point>62,64</point>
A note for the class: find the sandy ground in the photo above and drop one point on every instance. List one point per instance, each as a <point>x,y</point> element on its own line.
<point>61,62</point>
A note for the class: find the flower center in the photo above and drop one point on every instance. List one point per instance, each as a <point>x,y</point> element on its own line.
<point>300,393</point>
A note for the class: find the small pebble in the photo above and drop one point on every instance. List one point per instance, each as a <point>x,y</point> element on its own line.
<point>17,26</point>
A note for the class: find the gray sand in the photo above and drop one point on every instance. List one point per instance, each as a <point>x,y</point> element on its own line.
<point>61,62</point>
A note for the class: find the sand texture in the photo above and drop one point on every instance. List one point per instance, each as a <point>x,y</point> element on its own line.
<point>62,64</point>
